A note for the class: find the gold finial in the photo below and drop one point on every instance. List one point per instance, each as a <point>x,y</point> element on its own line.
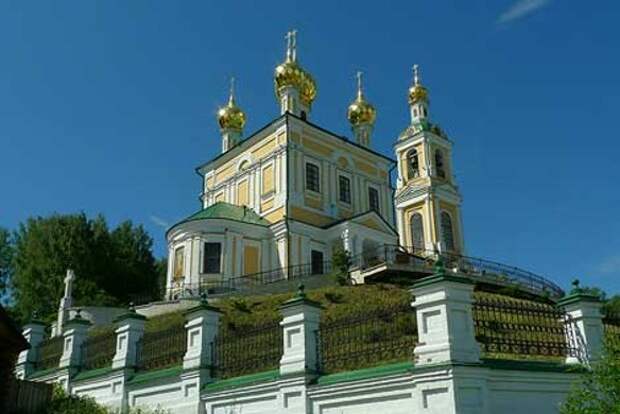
<point>291,45</point>
<point>360,94</point>
<point>417,92</point>
<point>231,96</point>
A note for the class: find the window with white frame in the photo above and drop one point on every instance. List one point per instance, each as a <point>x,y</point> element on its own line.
<point>417,232</point>
<point>211,259</point>
<point>413,164</point>
<point>373,200</point>
<point>344,189</point>
<point>447,231</point>
<point>439,164</point>
<point>313,177</point>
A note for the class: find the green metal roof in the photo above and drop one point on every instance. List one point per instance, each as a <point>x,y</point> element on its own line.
<point>227,211</point>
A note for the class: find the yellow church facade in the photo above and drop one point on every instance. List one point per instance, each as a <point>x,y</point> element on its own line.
<point>283,198</point>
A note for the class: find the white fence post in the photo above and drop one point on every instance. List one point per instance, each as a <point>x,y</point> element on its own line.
<point>445,322</point>
<point>34,332</point>
<point>130,328</point>
<point>584,325</point>
<point>300,324</point>
<point>202,326</point>
<point>74,334</point>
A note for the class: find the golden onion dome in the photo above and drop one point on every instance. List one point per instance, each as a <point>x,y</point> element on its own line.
<point>361,111</point>
<point>417,92</point>
<point>291,74</point>
<point>231,116</point>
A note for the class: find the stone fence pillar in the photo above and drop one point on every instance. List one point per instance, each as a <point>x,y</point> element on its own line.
<point>75,331</point>
<point>34,332</point>
<point>202,326</point>
<point>585,325</point>
<point>300,323</point>
<point>130,328</point>
<point>444,317</point>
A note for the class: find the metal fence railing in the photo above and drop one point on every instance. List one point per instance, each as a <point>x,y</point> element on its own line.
<point>161,349</point>
<point>508,329</point>
<point>49,353</point>
<point>249,281</point>
<point>245,351</point>
<point>367,339</point>
<point>481,270</point>
<point>98,351</point>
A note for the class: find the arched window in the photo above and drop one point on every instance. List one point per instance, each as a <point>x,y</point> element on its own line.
<point>447,233</point>
<point>417,232</point>
<point>244,165</point>
<point>439,166</point>
<point>413,165</point>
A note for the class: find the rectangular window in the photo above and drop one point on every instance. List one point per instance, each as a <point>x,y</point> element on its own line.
<point>179,260</point>
<point>344,186</point>
<point>317,262</point>
<point>313,178</point>
<point>212,257</point>
<point>373,199</point>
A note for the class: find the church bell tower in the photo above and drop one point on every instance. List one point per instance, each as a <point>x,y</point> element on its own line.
<point>427,198</point>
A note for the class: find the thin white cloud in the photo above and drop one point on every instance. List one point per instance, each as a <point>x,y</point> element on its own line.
<point>159,221</point>
<point>521,9</point>
<point>610,265</point>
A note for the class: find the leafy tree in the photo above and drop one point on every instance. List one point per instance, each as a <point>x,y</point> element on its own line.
<point>161,266</point>
<point>599,390</point>
<point>110,266</point>
<point>6,261</point>
<point>341,262</point>
<point>612,306</point>
<point>63,403</point>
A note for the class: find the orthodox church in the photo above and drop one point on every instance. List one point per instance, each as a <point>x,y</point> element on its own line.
<point>284,197</point>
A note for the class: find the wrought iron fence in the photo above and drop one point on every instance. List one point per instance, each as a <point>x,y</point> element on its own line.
<point>161,349</point>
<point>367,339</point>
<point>482,270</point>
<point>249,281</point>
<point>50,352</point>
<point>508,328</point>
<point>246,351</point>
<point>98,351</point>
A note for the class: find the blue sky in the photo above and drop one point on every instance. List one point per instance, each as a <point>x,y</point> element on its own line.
<point>108,107</point>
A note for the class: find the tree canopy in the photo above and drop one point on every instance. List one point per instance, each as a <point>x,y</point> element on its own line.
<point>6,261</point>
<point>599,390</point>
<point>110,265</point>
